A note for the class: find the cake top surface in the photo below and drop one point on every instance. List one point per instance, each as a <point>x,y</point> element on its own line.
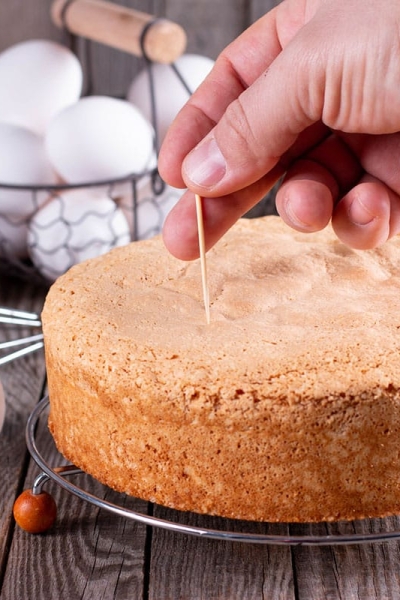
<point>293,315</point>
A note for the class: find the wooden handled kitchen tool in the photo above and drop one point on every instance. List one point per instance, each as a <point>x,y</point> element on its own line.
<point>138,33</point>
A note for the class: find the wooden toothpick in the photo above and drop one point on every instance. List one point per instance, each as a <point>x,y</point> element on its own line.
<point>200,228</point>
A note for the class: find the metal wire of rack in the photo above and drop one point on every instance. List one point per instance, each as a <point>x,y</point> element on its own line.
<point>312,534</point>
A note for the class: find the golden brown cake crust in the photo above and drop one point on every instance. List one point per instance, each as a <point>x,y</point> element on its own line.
<point>285,408</point>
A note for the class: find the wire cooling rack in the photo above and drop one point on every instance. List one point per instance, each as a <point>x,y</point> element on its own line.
<point>319,534</point>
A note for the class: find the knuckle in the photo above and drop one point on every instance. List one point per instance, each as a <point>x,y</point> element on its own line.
<point>242,132</point>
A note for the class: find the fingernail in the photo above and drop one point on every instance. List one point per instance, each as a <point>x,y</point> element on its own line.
<point>205,165</point>
<point>359,213</point>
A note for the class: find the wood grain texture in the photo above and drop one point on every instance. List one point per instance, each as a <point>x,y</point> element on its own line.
<point>23,382</point>
<point>20,20</point>
<point>258,8</point>
<point>210,25</point>
<point>354,572</point>
<point>207,569</point>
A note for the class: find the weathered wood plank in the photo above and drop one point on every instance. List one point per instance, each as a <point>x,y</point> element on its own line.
<point>349,573</point>
<point>258,8</point>
<point>20,20</point>
<point>184,567</point>
<point>210,25</point>
<point>23,382</point>
<point>353,572</point>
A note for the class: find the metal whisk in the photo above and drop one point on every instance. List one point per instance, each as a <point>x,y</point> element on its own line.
<point>30,343</point>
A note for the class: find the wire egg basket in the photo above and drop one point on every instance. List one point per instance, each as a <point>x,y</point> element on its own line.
<point>142,198</point>
<point>153,206</point>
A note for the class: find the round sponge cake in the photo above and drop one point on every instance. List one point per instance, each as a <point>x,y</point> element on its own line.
<point>286,407</point>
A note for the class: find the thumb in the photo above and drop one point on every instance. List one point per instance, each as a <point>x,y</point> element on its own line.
<point>255,130</point>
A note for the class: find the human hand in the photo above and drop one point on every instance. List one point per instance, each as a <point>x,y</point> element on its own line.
<point>311,90</point>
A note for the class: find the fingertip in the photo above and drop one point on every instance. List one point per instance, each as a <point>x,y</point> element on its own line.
<point>361,220</point>
<point>305,205</point>
<point>168,168</point>
<point>180,230</point>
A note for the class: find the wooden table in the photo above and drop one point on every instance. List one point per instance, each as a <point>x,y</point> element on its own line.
<point>91,553</point>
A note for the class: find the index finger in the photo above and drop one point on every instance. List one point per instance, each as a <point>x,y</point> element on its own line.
<point>237,67</point>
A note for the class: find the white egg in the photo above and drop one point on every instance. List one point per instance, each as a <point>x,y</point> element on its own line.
<point>38,78</point>
<point>2,406</point>
<point>170,93</point>
<point>23,162</point>
<point>74,226</point>
<point>152,206</point>
<point>99,138</point>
